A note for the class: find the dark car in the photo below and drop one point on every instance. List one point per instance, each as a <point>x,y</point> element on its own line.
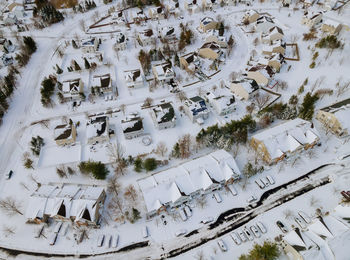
<point>9,175</point>
<point>282,226</point>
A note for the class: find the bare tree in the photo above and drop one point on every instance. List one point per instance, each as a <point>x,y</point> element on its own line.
<point>313,201</point>
<point>181,96</point>
<point>8,230</point>
<point>130,193</point>
<point>122,108</point>
<point>161,149</point>
<point>261,100</point>
<point>202,201</point>
<point>148,102</point>
<point>82,25</point>
<point>116,152</point>
<point>288,213</point>
<point>113,185</point>
<point>10,206</point>
<point>185,146</point>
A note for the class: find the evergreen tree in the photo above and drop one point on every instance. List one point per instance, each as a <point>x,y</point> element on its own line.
<point>150,164</point>
<point>29,44</point>
<point>74,44</point>
<point>76,65</point>
<point>138,164</point>
<point>58,70</point>
<point>221,29</point>
<point>176,60</point>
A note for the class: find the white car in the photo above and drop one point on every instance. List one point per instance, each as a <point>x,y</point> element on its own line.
<point>222,245</point>
<point>255,231</point>
<point>260,183</point>
<point>57,227</point>
<point>248,234</point>
<point>300,222</point>
<point>207,220</point>
<point>108,241</point>
<point>180,232</point>
<point>265,181</point>
<point>145,232</point>
<point>232,189</point>
<point>305,217</point>
<point>235,238</point>
<point>100,240</point>
<point>242,236</point>
<point>183,215</point>
<point>261,227</point>
<point>188,211</point>
<point>217,197</point>
<point>270,179</point>
<point>115,240</point>
<point>251,199</point>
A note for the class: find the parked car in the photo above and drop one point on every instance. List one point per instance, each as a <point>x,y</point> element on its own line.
<point>207,220</point>
<point>222,245</point>
<point>305,217</point>
<point>251,199</point>
<point>180,232</point>
<point>115,240</point>
<point>270,179</point>
<point>282,226</point>
<point>261,226</point>
<point>100,240</point>
<point>242,236</point>
<point>9,174</point>
<point>53,239</point>
<point>248,233</point>
<point>108,241</point>
<point>260,183</point>
<point>217,197</point>
<point>300,222</point>
<point>255,231</point>
<point>145,232</point>
<point>182,214</point>
<point>232,189</point>
<point>235,238</point>
<point>57,227</point>
<point>265,181</point>
<point>188,211</point>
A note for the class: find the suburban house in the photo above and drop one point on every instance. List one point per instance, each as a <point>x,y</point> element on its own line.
<point>97,130</point>
<point>132,126</point>
<point>274,34</point>
<point>277,46</point>
<point>170,189</point>
<point>244,88</point>
<point>71,89</point>
<point>222,104</point>
<point>331,26</point>
<point>210,4</point>
<point>168,33</point>
<point>264,24</point>
<point>278,142</point>
<point>191,6</point>
<point>102,84</point>
<point>261,74</point>
<point>207,23</point>
<point>138,16</point>
<point>163,116</point>
<point>220,40</point>
<point>311,19</point>
<point>156,13</point>
<point>210,50</point>
<point>146,37</point>
<point>275,61</point>
<point>336,118</point>
<point>120,41</point>
<point>196,109</point>
<point>65,134</point>
<point>173,8</point>
<point>89,45</point>
<point>163,73</point>
<point>133,78</point>
<point>80,204</point>
<point>250,16</point>
<point>189,62</point>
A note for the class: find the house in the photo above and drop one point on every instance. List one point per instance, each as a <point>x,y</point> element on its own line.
<point>170,189</point>
<point>97,130</point>
<point>14,13</point>
<point>80,204</point>
<point>274,34</point>
<point>173,8</point>
<point>196,109</point>
<point>133,78</point>
<point>72,89</point>
<point>222,104</point>
<point>138,16</point>
<point>189,62</point>
<point>210,50</point>
<point>277,46</point>
<point>156,13</point>
<point>264,24</point>
<point>163,73</point>
<point>331,26</point>
<point>275,61</point>
<point>118,18</point>
<point>210,4</point>
<point>251,16</point>
<point>207,23</point>
<point>146,37</point>
<point>286,3</point>
<point>335,118</point>
<point>65,134</point>
<point>278,142</point>
<point>132,126</point>
<point>261,74</point>
<point>244,88</point>
<point>311,19</point>
<point>220,40</point>
<point>191,6</point>
<point>163,116</point>
<point>168,33</point>
<point>307,3</point>
<point>89,45</point>
<point>120,41</point>
<point>102,84</point>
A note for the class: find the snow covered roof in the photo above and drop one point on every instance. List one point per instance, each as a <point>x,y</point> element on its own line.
<point>168,186</point>
<point>341,111</point>
<point>63,132</point>
<point>133,75</point>
<point>97,127</point>
<point>132,123</point>
<point>164,113</point>
<point>221,102</point>
<point>207,20</point>
<point>287,137</point>
<point>249,85</point>
<point>331,23</point>
<point>102,81</point>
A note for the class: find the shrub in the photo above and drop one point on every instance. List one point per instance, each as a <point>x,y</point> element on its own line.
<point>329,41</point>
<point>267,251</point>
<point>314,57</point>
<point>250,170</point>
<point>306,111</point>
<point>138,164</point>
<point>293,100</point>
<point>301,89</point>
<point>150,164</point>
<point>312,65</point>
<point>47,90</point>
<point>98,170</point>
